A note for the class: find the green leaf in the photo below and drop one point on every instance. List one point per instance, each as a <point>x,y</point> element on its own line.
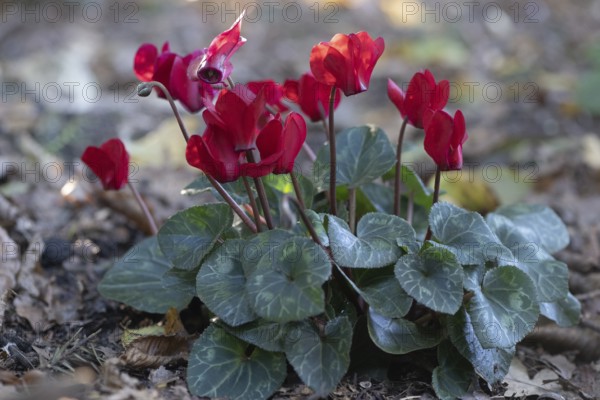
<point>188,236</point>
<point>505,308</point>
<point>219,367</point>
<point>467,235</point>
<point>363,153</point>
<point>423,195</point>
<point>377,243</point>
<point>267,335</point>
<point>565,312</point>
<point>380,196</point>
<point>180,281</point>
<point>201,184</point>
<point>400,336</point>
<point>317,222</point>
<point>491,364</point>
<point>286,284</point>
<point>221,284</point>
<point>539,224</point>
<point>549,275</point>
<point>452,378</point>
<point>260,245</point>
<point>434,278</point>
<point>383,293</point>
<point>137,280</point>
<point>320,360</point>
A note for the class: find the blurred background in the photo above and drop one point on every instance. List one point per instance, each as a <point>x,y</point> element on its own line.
<point>526,75</point>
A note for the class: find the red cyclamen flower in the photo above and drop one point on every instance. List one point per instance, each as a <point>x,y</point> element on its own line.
<point>278,146</point>
<point>346,61</point>
<point>444,138</point>
<point>110,163</point>
<point>237,112</point>
<point>311,95</point>
<point>273,93</point>
<point>214,66</point>
<point>422,96</point>
<point>170,69</point>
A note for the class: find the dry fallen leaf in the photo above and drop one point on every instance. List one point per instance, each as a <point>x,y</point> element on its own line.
<point>520,385</point>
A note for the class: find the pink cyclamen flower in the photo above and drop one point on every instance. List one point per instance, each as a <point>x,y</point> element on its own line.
<point>311,95</point>
<point>422,96</point>
<point>346,61</point>
<point>170,69</point>
<point>214,65</point>
<point>444,138</point>
<point>110,163</point>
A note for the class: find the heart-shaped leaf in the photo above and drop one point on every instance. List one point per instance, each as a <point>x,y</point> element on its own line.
<point>286,284</point>
<point>505,308</point>
<point>380,289</point>
<point>491,364</point>
<point>267,335</point>
<point>221,284</point>
<point>539,224</point>
<point>549,275</point>
<point>188,236</point>
<point>400,336</point>
<point>364,153</point>
<point>467,235</point>
<point>378,241</point>
<point>434,278</point>
<point>320,359</point>
<point>137,275</point>
<point>565,312</point>
<point>452,377</point>
<point>219,367</point>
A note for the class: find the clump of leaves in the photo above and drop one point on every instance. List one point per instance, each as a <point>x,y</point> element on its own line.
<point>330,251</point>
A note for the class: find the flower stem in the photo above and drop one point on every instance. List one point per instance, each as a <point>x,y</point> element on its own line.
<point>255,211</point>
<point>144,208</point>
<point>352,209</point>
<point>232,203</point>
<point>397,178</point>
<point>436,193</point>
<point>262,195</point>
<point>171,102</point>
<point>307,223</point>
<point>297,189</point>
<point>332,155</point>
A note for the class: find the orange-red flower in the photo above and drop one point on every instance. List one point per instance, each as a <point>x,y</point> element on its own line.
<point>346,61</point>
<point>110,163</point>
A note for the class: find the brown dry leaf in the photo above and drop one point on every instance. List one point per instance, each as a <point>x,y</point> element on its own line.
<point>154,351</point>
<point>560,364</point>
<point>31,309</point>
<point>520,385</point>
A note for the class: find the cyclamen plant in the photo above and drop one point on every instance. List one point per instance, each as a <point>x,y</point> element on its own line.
<point>297,270</point>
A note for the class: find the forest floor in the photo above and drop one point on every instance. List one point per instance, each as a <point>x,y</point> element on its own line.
<point>70,84</point>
